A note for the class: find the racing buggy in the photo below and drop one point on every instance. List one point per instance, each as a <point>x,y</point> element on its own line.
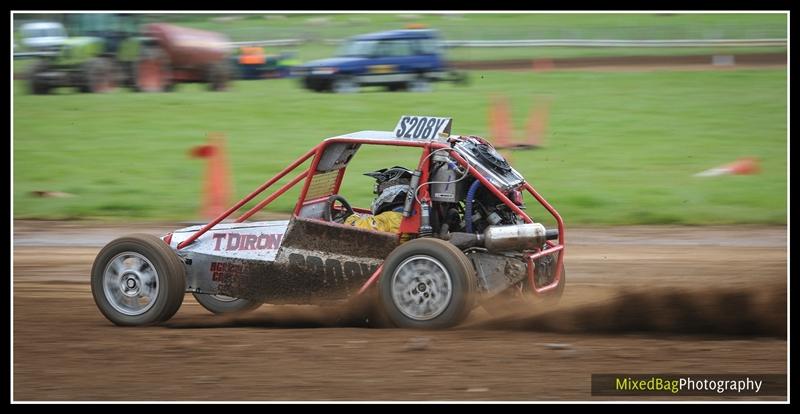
<point>462,239</point>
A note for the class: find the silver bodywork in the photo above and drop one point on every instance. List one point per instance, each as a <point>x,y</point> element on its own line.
<point>227,244</point>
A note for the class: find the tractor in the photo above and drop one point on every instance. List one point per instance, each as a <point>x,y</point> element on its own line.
<point>105,51</point>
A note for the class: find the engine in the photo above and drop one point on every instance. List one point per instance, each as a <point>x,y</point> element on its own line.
<point>467,213</point>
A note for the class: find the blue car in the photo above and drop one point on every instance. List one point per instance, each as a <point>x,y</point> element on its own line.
<point>398,60</point>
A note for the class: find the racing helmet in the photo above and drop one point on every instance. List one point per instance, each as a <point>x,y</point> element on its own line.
<point>388,177</point>
<point>392,197</point>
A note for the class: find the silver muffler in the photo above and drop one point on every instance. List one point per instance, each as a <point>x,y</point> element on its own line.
<point>516,237</point>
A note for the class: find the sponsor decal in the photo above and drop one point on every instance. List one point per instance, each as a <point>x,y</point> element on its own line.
<point>332,271</point>
<point>238,242</point>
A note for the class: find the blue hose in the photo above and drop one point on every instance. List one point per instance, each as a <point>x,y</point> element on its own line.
<point>468,211</point>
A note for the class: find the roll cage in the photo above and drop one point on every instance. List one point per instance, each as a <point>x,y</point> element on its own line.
<point>329,160</point>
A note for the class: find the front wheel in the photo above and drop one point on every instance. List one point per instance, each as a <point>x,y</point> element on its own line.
<point>138,280</point>
<point>38,85</point>
<point>427,284</point>
<point>225,305</point>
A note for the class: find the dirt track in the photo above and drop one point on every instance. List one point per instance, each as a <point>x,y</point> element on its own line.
<point>730,320</point>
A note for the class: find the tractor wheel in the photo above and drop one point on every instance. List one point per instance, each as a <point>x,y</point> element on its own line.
<point>138,280</point>
<point>152,73</point>
<point>427,284</point>
<point>218,76</point>
<point>225,305</point>
<point>99,76</point>
<point>38,86</point>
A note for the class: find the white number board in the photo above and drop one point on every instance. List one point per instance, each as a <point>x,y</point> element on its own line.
<point>422,127</point>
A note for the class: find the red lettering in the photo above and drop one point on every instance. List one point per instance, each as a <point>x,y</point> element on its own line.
<point>233,241</point>
<point>218,237</point>
<point>262,242</point>
<point>273,241</point>
<point>251,242</point>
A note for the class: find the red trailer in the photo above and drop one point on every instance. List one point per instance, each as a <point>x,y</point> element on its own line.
<point>174,54</point>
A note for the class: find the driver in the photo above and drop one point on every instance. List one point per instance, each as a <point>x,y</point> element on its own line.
<point>391,187</point>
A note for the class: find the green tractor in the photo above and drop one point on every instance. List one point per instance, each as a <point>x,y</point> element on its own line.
<point>111,50</point>
<point>99,55</point>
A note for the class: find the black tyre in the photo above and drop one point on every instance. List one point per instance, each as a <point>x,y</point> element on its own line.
<point>218,76</point>
<point>225,305</point>
<point>38,85</point>
<point>396,87</point>
<point>138,280</point>
<point>152,72</point>
<point>427,284</point>
<point>98,76</point>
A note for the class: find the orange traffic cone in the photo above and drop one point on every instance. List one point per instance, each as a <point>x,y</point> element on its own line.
<point>500,122</point>
<point>537,123</point>
<point>216,192</point>
<point>741,166</point>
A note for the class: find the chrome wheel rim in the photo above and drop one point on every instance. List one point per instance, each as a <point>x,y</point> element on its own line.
<point>130,283</point>
<point>421,288</point>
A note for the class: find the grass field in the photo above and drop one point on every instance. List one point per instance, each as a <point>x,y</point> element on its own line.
<point>497,26</point>
<point>621,147</point>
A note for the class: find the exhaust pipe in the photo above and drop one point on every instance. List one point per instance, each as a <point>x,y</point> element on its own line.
<point>517,237</point>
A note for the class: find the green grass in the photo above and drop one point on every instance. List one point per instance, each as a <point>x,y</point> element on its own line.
<point>621,147</point>
<point>495,26</point>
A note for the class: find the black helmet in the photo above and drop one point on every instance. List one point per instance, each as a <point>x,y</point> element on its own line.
<point>388,177</point>
<point>390,198</point>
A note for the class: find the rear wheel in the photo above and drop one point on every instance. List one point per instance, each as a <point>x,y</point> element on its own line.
<point>420,84</point>
<point>218,76</point>
<point>138,280</point>
<point>99,76</point>
<point>427,284</point>
<point>224,305</point>
<point>152,73</point>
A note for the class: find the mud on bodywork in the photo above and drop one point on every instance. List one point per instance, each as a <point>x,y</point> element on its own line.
<point>299,261</point>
